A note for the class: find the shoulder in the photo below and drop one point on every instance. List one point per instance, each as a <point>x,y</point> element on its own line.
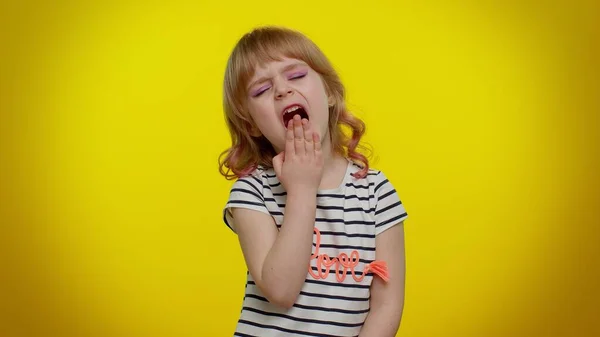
<point>257,183</point>
<point>377,179</point>
<point>253,177</point>
<point>389,209</point>
<point>247,192</point>
<point>255,180</point>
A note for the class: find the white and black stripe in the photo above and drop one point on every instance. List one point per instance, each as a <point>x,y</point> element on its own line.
<point>348,218</point>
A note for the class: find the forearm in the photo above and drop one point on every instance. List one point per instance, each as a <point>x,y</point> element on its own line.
<point>382,321</point>
<point>285,267</point>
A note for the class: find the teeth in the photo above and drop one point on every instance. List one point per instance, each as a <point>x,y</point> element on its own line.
<point>294,108</point>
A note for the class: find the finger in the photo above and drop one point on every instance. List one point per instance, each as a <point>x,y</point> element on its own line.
<point>298,136</point>
<point>317,141</point>
<point>277,163</point>
<point>308,136</point>
<point>289,138</point>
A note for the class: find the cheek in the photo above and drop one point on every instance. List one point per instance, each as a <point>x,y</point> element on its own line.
<point>261,114</point>
<point>256,110</point>
<point>319,93</point>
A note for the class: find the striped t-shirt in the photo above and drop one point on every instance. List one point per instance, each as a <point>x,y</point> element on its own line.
<point>347,221</point>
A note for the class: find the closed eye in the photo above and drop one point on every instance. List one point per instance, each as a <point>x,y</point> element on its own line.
<point>297,76</point>
<point>260,91</point>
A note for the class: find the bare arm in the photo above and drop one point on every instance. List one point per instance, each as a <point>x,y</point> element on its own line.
<point>387,299</point>
<point>270,254</point>
<point>278,261</point>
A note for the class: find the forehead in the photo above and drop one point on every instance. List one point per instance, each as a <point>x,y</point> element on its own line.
<point>273,66</point>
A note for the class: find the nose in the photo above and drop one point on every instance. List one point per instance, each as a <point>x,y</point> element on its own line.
<point>282,91</point>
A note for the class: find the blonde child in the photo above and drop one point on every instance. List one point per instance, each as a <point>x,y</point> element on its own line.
<point>321,232</point>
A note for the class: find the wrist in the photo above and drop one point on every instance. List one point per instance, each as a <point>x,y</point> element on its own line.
<point>302,202</point>
<point>302,193</point>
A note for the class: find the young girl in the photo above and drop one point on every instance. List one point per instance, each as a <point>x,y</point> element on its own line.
<point>320,231</point>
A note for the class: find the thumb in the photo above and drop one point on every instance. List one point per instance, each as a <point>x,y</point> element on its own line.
<point>278,162</point>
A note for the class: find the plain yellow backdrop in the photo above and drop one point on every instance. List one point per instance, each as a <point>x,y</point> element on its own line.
<point>484,116</point>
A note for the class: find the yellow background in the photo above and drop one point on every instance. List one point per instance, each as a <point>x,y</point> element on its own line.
<point>484,116</point>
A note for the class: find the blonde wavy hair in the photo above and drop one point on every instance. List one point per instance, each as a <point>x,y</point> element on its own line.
<point>261,45</point>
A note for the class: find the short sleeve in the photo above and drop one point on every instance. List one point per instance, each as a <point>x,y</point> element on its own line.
<point>245,193</point>
<point>389,210</point>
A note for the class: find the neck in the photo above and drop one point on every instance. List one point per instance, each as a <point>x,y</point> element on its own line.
<point>334,167</point>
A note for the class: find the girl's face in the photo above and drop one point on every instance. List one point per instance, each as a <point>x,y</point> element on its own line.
<point>281,89</point>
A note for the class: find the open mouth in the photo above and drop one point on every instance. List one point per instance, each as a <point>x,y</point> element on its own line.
<point>291,111</point>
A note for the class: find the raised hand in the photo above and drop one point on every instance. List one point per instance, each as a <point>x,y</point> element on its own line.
<point>300,166</point>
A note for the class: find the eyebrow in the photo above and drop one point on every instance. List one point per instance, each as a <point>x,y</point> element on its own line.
<point>286,68</point>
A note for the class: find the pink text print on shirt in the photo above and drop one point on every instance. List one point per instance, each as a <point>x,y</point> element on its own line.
<point>343,265</point>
